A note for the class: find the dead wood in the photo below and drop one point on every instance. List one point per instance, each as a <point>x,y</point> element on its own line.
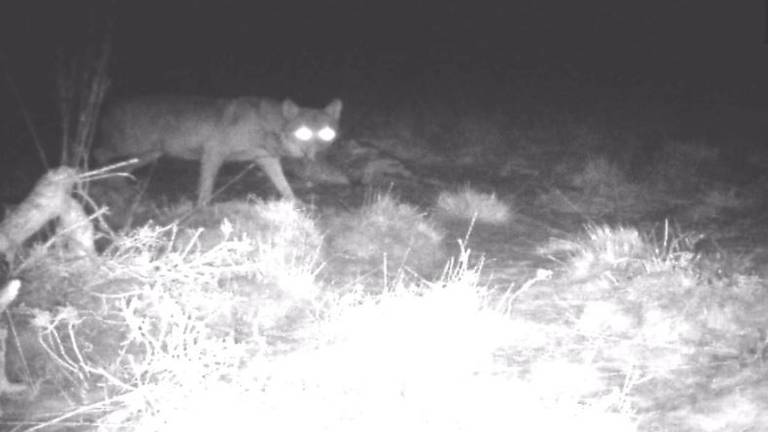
<point>51,198</point>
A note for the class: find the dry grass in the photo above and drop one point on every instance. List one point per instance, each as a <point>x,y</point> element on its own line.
<point>163,334</point>
<point>418,357</point>
<point>470,204</point>
<point>386,233</point>
<point>599,187</point>
<point>604,247</point>
<point>717,202</point>
<point>160,340</point>
<point>156,324</point>
<point>648,309</point>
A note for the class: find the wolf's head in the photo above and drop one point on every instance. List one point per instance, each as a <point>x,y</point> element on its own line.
<point>307,131</point>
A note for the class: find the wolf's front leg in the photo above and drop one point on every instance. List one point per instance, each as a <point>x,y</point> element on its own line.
<point>273,169</point>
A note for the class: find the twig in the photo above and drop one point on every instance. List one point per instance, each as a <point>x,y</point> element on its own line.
<point>25,114</point>
<point>82,84</point>
<point>81,410</point>
<point>97,173</point>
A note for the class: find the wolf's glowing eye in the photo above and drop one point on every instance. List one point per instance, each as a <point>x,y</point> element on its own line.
<point>326,134</point>
<point>303,133</point>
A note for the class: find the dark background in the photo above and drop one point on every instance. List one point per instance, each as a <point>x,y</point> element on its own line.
<point>392,52</point>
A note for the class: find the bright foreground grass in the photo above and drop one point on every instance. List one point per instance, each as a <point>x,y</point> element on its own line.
<point>166,339</point>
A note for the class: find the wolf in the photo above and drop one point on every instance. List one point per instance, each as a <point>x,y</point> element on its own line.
<point>215,131</point>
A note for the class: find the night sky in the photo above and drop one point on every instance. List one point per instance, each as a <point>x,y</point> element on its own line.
<point>390,53</point>
<point>299,46</point>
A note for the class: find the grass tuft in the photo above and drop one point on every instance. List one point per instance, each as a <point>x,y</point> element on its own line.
<point>387,232</point>
<point>470,204</point>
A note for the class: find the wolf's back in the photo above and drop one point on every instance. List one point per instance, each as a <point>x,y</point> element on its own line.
<point>141,125</point>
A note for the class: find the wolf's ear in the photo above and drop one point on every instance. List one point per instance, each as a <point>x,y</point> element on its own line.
<point>290,109</point>
<point>334,109</point>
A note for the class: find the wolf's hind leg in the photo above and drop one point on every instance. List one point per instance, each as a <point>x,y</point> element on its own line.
<point>209,168</point>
